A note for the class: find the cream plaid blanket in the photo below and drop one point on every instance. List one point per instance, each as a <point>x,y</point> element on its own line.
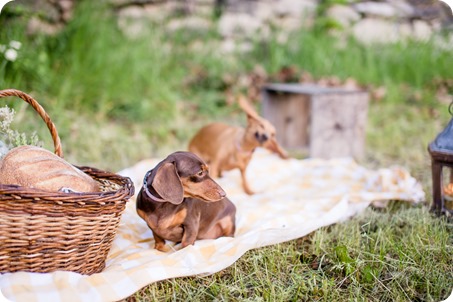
<point>294,198</point>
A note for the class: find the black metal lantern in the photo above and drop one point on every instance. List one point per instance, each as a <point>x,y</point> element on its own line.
<point>441,151</point>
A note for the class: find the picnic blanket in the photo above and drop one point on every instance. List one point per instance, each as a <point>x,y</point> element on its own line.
<point>293,198</point>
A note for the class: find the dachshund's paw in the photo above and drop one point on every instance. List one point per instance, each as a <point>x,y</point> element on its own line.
<point>248,191</point>
<point>163,248</point>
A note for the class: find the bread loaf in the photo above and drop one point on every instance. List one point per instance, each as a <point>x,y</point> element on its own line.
<point>35,167</point>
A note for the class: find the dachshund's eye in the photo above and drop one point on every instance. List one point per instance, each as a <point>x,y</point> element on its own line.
<point>201,173</point>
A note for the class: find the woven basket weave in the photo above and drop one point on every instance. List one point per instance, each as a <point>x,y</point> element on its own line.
<point>44,231</point>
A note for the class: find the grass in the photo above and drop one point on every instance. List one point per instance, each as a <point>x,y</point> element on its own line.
<point>117,100</point>
<point>391,255</point>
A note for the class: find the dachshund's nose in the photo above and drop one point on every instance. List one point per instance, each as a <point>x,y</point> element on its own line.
<point>261,137</point>
<point>222,194</point>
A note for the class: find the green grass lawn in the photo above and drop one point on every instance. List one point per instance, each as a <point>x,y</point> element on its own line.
<point>399,254</point>
<point>116,101</point>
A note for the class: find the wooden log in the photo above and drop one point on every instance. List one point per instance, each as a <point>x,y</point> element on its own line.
<point>327,122</point>
<point>289,113</point>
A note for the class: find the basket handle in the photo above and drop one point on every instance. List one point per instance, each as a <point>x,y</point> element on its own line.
<point>38,108</point>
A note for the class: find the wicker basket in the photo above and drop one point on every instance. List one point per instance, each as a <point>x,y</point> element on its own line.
<point>48,231</point>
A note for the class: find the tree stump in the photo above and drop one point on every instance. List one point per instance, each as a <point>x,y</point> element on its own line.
<point>324,122</point>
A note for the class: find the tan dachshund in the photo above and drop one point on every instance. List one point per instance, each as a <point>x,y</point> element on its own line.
<point>226,147</point>
<point>181,203</point>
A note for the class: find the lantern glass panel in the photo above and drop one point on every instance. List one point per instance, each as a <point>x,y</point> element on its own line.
<point>447,187</point>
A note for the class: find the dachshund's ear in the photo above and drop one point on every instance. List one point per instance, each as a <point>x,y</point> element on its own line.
<point>247,108</point>
<point>275,147</point>
<point>167,184</point>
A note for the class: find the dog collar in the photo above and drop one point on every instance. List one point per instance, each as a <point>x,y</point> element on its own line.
<point>147,192</point>
<point>245,152</point>
<point>239,148</point>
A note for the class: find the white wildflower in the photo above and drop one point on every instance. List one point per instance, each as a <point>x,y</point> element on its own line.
<point>10,138</point>
<point>6,118</point>
<point>3,149</point>
<point>11,54</point>
<point>15,44</point>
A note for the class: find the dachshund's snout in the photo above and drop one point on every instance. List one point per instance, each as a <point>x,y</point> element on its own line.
<point>261,138</point>
<point>215,195</point>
